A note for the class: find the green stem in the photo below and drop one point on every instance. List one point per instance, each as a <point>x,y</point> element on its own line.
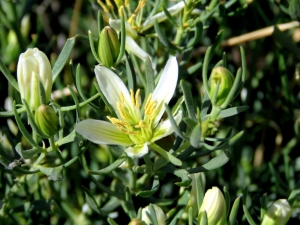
<point>68,108</point>
<point>55,149</point>
<point>214,112</point>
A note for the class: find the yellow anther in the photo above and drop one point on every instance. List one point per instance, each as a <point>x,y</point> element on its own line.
<point>132,96</point>
<point>138,8</point>
<point>148,101</point>
<point>103,6</point>
<point>150,107</point>
<point>119,3</point>
<point>141,125</point>
<point>109,4</point>
<point>121,11</point>
<point>137,94</point>
<point>127,3</point>
<point>121,111</point>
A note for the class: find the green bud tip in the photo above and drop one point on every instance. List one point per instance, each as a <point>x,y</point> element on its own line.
<point>108,46</point>
<point>223,78</point>
<point>47,120</point>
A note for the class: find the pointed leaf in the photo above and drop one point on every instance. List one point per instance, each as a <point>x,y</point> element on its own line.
<point>155,186</point>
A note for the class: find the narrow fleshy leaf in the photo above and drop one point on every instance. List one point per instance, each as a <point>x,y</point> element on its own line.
<point>234,211</point>
<point>8,75</point>
<point>212,164</point>
<point>185,179</point>
<point>111,167</point>
<point>232,111</point>
<point>28,153</point>
<point>155,186</point>
<point>63,58</point>
<point>188,99</point>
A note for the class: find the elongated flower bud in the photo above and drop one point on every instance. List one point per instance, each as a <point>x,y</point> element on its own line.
<point>108,46</point>
<point>160,216</point>
<point>278,213</point>
<point>215,207</point>
<point>34,67</point>
<point>222,78</point>
<point>136,221</point>
<point>47,120</point>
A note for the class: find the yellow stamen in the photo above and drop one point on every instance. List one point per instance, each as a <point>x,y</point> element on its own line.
<point>132,96</point>
<point>127,3</point>
<point>151,106</point>
<point>137,94</point>
<point>103,6</point>
<point>121,12</point>
<point>141,125</point>
<point>121,111</point>
<point>140,6</point>
<point>119,3</point>
<point>148,100</point>
<point>109,4</point>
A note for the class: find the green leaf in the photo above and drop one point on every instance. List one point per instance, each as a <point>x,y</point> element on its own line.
<point>63,58</point>
<point>129,204</point>
<point>111,221</point>
<point>185,179</point>
<point>181,205</point>
<point>234,211</point>
<point>232,111</point>
<point>91,201</point>
<point>294,194</point>
<point>54,174</point>
<point>191,123</point>
<point>28,153</point>
<point>9,76</point>
<point>248,215</point>
<point>168,156</point>
<point>23,129</point>
<point>162,37</point>
<point>67,139</point>
<point>92,46</point>
<point>152,215</point>
<point>227,200</point>
<point>111,167</point>
<point>131,77</point>
<point>202,218</point>
<point>155,186</point>
<point>212,164</point>
<point>123,41</point>
<point>74,96</point>
<point>264,206</point>
<point>149,76</point>
<point>176,107</point>
<point>100,21</point>
<point>188,99</point>
<point>198,29</point>
<point>169,16</point>
<point>196,136</point>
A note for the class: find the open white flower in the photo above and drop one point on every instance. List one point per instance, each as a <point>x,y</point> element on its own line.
<point>134,127</point>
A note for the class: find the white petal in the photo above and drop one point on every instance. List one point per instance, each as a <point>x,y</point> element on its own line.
<point>135,49</point>
<point>137,151</point>
<point>112,86</point>
<point>164,128</point>
<point>102,132</point>
<point>165,87</point>
<point>173,10</point>
<point>116,24</point>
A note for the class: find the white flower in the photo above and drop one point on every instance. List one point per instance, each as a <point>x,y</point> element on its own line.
<point>34,67</point>
<point>278,213</point>
<point>134,127</point>
<point>160,216</point>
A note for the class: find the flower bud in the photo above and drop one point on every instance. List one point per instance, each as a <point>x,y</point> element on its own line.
<point>278,213</point>
<point>47,120</point>
<point>214,205</point>
<point>136,221</point>
<point>34,67</point>
<point>108,46</point>
<point>160,216</point>
<point>225,78</point>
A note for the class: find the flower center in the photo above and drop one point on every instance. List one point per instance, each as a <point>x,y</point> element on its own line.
<point>137,126</point>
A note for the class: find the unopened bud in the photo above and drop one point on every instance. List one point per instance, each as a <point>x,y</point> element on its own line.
<point>136,221</point>
<point>278,213</point>
<point>160,216</point>
<point>222,78</point>
<point>215,207</point>
<point>108,46</point>
<point>47,120</point>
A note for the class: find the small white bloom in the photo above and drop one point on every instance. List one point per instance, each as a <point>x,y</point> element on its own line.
<point>33,67</point>
<point>160,216</point>
<point>134,127</point>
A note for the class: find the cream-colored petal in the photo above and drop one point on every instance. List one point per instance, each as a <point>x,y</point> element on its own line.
<point>102,132</point>
<point>173,10</point>
<point>135,49</point>
<point>112,87</point>
<point>165,87</point>
<point>137,151</point>
<point>164,128</point>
